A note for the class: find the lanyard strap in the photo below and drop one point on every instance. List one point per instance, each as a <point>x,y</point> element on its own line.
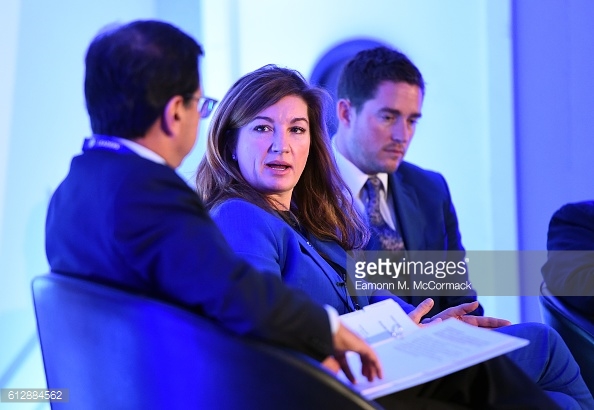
<point>105,143</point>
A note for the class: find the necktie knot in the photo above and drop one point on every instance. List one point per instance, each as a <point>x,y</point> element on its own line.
<point>373,187</point>
<point>389,238</point>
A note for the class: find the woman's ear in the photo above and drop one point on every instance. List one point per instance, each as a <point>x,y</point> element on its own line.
<point>231,145</point>
<point>172,115</point>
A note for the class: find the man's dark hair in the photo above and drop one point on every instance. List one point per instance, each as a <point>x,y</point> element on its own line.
<point>132,71</point>
<point>362,75</point>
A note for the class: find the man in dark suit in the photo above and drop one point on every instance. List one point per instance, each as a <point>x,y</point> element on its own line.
<point>124,217</point>
<point>569,270</point>
<point>380,95</point>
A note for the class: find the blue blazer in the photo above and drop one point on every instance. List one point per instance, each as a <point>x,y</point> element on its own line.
<point>428,222</point>
<point>275,248</point>
<point>127,221</point>
<point>569,270</point>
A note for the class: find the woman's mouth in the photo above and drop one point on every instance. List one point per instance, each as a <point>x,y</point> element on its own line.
<point>278,166</point>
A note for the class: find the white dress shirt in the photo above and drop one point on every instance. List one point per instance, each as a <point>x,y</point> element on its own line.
<point>355,180</point>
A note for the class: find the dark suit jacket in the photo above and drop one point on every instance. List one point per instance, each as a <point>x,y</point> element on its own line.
<point>275,248</point>
<point>127,221</point>
<point>428,222</point>
<point>569,270</point>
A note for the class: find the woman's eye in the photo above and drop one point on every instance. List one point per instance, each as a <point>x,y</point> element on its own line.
<point>297,130</point>
<point>262,128</point>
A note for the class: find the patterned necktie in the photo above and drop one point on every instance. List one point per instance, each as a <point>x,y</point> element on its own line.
<point>388,237</point>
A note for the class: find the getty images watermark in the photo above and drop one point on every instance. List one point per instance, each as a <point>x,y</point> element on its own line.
<point>403,274</point>
<point>409,273</point>
<point>458,273</point>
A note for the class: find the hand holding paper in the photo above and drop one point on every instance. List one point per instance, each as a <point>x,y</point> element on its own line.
<point>413,355</point>
<point>347,341</point>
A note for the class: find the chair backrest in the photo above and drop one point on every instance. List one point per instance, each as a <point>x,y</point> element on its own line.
<point>117,350</point>
<point>576,330</point>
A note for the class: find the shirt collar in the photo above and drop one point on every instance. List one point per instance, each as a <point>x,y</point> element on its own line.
<point>142,151</point>
<point>354,178</point>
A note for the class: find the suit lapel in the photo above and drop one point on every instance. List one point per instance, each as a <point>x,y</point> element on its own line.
<point>342,258</point>
<point>410,218</point>
<point>332,250</point>
<point>408,212</point>
<point>313,246</point>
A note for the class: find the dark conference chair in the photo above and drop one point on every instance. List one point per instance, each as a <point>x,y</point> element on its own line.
<point>117,350</point>
<point>576,330</point>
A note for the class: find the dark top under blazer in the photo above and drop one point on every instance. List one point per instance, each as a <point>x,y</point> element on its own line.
<point>127,221</point>
<point>275,248</point>
<point>572,273</point>
<point>428,221</point>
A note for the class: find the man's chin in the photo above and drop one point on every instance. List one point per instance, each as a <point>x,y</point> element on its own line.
<point>390,167</point>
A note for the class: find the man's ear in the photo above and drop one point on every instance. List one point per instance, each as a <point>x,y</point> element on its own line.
<point>343,111</point>
<point>172,114</point>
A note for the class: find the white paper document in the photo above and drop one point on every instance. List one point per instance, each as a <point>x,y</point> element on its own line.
<point>411,355</point>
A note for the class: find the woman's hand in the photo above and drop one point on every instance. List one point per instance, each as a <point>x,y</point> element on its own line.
<point>459,312</point>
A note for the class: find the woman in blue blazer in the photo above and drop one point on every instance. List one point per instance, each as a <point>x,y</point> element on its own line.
<point>270,181</point>
<point>272,186</point>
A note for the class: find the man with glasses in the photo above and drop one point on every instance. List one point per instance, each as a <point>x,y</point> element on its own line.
<point>123,216</point>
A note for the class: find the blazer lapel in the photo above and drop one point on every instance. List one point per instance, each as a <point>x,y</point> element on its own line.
<point>410,218</point>
<point>335,253</point>
<point>408,212</point>
<point>339,256</point>
<point>332,250</point>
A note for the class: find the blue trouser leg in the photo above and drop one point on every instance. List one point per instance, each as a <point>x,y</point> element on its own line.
<point>548,362</point>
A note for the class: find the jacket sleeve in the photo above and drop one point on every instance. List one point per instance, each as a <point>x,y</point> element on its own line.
<point>250,235</point>
<point>163,230</point>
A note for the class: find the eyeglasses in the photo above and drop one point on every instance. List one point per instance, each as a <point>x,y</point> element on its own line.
<point>205,105</point>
